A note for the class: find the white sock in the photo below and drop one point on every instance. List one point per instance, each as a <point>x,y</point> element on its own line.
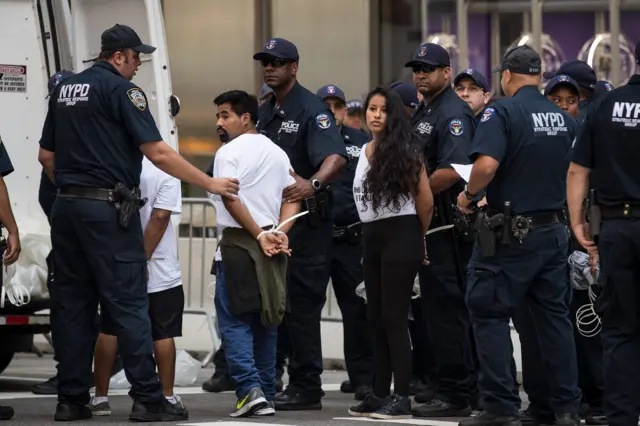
<point>100,399</point>
<point>172,399</point>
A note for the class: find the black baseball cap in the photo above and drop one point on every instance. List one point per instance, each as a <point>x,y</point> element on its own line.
<point>561,80</point>
<point>578,70</point>
<point>331,91</point>
<point>58,78</point>
<point>407,92</point>
<point>354,105</point>
<point>430,54</point>
<point>475,76</point>
<point>278,48</point>
<point>602,87</point>
<point>520,60</point>
<point>123,37</point>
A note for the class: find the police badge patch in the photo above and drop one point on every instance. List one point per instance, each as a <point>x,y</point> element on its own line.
<point>487,114</point>
<point>137,98</point>
<point>323,121</point>
<point>456,128</point>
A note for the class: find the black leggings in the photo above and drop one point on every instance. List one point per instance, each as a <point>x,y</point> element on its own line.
<point>393,253</point>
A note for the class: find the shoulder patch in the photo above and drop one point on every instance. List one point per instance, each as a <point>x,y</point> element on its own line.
<point>456,128</point>
<point>137,97</point>
<point>323,121</point>
<point>487,114</point>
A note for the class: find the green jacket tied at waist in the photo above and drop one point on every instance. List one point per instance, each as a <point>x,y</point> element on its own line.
<point>271,273</point>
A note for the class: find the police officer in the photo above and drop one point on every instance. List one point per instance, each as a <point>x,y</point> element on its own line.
<point>517,137</point>
<point>472,87</point>
<point>608,146</point>
<point>445,125</point>
<point>98,126</point>
<point>12,251</point>
<point>586,78</point>
<point>355,115</point>
<point>346,253</point>
<point>302,125</point>
<point>423,363</point>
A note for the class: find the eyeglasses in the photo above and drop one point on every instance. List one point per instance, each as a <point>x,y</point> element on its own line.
<point>471,89</point>
<point>275,63</point>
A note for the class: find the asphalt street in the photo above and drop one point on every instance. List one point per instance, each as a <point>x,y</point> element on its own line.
<point>204,408</point>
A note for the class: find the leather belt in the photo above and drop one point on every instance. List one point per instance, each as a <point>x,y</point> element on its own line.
<point>620,212</point>
<point>543,219</point>
<point>87,193</point>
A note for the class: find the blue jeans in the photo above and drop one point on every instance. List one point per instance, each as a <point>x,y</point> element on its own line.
<point>249,346</point>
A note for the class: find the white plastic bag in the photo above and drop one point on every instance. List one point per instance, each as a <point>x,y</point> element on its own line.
<point>119,381</point>
<point>187,369</point>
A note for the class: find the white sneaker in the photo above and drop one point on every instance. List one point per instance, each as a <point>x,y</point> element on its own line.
<point>269,410</point>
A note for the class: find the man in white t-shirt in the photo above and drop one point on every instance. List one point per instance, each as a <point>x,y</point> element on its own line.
<point>250,274</point>
<point>164,285</point>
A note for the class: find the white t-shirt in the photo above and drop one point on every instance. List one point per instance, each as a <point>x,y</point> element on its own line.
<point>262,168</point>
<point>162,192</point>
<point>407,207</point>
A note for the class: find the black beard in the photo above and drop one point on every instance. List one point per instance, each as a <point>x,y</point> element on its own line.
<point>224,136</point>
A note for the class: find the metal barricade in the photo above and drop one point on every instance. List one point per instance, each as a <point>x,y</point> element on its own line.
<point>197,239</point>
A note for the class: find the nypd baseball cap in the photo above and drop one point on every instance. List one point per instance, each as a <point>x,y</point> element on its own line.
<point>123,37</point>
<point>474,76</point>
<point>578,70</point>
<point>561,80</point>
<point>354,105</point>
<point>520,60</point>
<point>331,91</point>
<point>278,48</point>
<point>430,54</point>
<point>264,91</point>
<point>602,87</point>
<point>407,92</point>
<point>56,79</point>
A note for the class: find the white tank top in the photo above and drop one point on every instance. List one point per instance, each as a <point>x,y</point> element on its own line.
<point>408,205</point>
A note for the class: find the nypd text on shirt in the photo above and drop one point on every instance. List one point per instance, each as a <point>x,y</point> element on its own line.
<point>71,94</point>
<point>548,122</point>
<point>627,113</point>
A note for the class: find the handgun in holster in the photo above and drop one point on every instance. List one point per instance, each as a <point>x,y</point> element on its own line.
<point>486,235</point>
<point>127,202</point>
<point>313,218</point>
<point>594,214</point>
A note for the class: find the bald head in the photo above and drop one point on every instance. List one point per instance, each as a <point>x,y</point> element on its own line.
<point>511,82</point>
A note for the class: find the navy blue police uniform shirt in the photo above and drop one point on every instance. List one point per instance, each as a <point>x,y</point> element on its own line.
<point>304,128</point>
<point>531,138</point>
<point>608,145</point>
<point>6,167</point>
<point>95,125</point>
<point>345,211</point>
<point>445,128</point>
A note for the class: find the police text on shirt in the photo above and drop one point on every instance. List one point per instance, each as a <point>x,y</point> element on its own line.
<point>548,122</point>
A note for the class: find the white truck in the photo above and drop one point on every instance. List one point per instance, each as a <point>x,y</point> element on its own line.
<point>37,39</point>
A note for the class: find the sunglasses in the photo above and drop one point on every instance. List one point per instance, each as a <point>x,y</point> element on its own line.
<point>275,63</point>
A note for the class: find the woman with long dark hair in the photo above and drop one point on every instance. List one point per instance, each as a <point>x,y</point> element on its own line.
<point>395,204</point>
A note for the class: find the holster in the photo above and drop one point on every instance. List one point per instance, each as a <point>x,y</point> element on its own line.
<point>485,233</point>
<point>319,208</point>
<point>127,202</point>
<point>594,214</point>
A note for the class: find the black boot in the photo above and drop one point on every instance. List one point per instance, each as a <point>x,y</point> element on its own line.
<point>163,411</point>
<point>49,387</point>
<point>219,383</point>
<point>68,412</point>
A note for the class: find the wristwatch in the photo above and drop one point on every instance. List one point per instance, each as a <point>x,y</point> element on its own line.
<point>316,184</point>
<point>469,195</point>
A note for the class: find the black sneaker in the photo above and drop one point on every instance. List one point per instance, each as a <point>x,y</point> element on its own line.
<point>6,412</point>
<point>370,405</point>
<point>596,419</point>
<point>253,401</point>
<point>218,384</point>
<point>439,408</point>
<point>162,411</point>
<point>68,412</point>
<point>49,387</point>
<point>345,387</point>
<point>396,407</point>
<point>487,419</point>
<point>528,419</point>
